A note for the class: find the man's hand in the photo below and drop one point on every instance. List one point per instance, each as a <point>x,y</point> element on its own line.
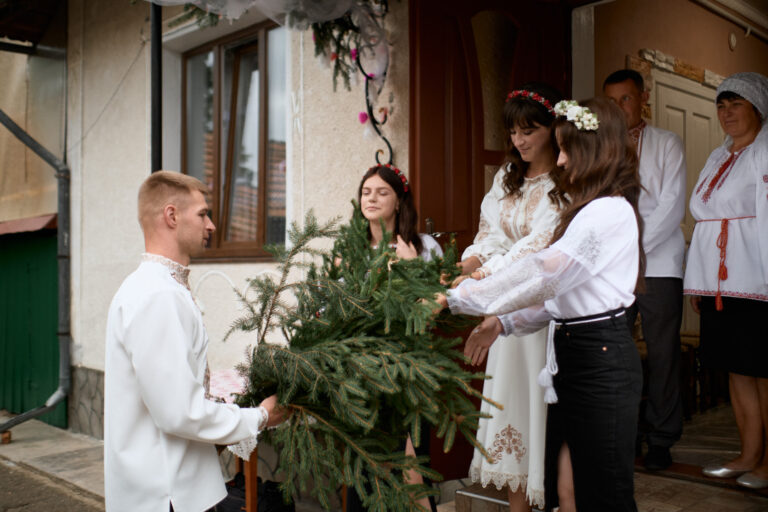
<point>696,304</point>
<point>277,414</point>
<point>481,339</point>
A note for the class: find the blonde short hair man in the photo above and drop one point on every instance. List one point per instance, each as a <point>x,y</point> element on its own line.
<point>160,430</point>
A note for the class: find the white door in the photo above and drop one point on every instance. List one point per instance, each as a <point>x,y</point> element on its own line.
<point>687,108</point>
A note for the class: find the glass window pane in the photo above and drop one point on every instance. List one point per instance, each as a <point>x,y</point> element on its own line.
<point>243,215</point>
<point>199,112</point>
<point>277,132</point>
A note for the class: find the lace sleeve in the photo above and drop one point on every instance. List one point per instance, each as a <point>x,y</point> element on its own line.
<point>528,282</point>
<point>525,321</point>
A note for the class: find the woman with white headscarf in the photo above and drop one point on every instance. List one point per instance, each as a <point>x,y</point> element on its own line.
<point>727,268</point>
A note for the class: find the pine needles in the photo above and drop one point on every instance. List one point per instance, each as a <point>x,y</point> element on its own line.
<point>363,367</point>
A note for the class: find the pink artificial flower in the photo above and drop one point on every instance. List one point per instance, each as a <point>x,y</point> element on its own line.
<point>353,53</point>
<point>362,117</point>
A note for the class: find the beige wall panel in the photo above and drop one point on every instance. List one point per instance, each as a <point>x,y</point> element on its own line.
<point>27,183</point>
<point>108,152</point>
<point>680,28</point>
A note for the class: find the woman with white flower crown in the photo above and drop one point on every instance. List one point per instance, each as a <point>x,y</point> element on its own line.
<point>580,286</point>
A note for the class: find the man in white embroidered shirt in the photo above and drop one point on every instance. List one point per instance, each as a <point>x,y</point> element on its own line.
<point>159,429</point>
<point>662,206</point>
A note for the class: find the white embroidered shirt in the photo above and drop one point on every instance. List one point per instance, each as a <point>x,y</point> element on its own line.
<point>159,429</point>
<point>591,269</point>
<point>739,196</point>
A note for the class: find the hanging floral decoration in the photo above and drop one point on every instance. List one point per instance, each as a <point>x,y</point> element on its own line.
<point>356,42</point>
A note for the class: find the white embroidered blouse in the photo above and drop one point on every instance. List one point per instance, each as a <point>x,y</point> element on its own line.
<point>731,209</point>
<point>591,269</point>
<point>513,227</point>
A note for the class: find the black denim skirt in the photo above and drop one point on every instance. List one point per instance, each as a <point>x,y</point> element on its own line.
<point>598,387</point>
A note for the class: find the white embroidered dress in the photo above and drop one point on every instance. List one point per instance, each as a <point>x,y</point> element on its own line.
<point>731,211</point>
<point>511,228</point>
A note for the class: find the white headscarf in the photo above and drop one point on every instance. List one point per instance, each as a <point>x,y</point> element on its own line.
<point>753,87</point>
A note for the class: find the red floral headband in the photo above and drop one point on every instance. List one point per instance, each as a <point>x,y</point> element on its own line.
<point>532,96</point>
<point>397,171</point>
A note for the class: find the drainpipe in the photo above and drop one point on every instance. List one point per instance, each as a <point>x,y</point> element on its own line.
<point>62,255</point>
<point>156,77</point>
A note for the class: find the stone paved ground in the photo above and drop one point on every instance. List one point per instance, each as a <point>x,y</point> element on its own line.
<point>25,490</point>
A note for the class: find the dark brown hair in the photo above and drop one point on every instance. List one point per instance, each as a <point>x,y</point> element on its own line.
<point>601,163</point>
<point>527,113</point>
<point>406,217</point>
<point>731,96</point>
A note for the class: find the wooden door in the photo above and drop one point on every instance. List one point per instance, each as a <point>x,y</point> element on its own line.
<point>465,58</point>
<point>687,108</point>
<point>29,348</point>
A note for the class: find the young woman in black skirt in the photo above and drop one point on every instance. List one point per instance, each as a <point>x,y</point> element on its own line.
<point>580,286</point>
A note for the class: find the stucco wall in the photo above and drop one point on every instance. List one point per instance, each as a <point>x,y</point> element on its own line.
<point>327,154</point>
<point>108,141</point>
<point>680,28</point>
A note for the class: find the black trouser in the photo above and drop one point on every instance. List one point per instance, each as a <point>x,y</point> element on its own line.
<point>661,311</point>
<point>598,387</point>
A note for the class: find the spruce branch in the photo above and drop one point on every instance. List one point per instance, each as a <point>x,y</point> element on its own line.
<point>363,368</point>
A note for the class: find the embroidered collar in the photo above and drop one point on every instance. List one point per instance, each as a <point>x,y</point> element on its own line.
<point>178,271</point>
<point>636,132</point>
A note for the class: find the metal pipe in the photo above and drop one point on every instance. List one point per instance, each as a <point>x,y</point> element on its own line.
<point>63,330</point>
<point>156,51</point>
<point>718,9</point>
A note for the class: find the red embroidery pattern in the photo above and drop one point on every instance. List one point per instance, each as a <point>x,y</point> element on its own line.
<point>722,243</point>
<point>634,133</point>
<point>730,161</point>
<point>739,295</point>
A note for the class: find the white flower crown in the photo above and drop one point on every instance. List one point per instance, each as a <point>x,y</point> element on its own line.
<point>582,117</point>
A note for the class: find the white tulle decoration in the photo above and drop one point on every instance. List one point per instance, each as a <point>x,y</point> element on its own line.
<point>297,14</point>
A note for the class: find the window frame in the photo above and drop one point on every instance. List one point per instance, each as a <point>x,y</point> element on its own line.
<point>250,37</point>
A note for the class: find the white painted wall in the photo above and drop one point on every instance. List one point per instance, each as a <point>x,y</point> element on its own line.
<point>327,154</point>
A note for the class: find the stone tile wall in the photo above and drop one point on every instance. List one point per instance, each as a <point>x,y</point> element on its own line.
<point>86,402</point>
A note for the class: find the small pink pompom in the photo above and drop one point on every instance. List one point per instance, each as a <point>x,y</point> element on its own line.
<point>362,117</point>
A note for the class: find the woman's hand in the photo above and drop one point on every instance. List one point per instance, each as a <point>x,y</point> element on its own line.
<point>469,265</point>
<point>456,282</point>
<point>481,339</point>
<point>696,303</point>
<point>405,251</point>
<point>442,302</point>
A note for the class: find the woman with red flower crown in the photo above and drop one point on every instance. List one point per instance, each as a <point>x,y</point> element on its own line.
<point>385,195</point>
<point>517,217</point>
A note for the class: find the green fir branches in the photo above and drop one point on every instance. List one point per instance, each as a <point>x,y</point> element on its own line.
<point>363,367</point>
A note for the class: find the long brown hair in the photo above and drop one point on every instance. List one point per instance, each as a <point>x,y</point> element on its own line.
<point>526,113</point>
<point>601,163</point>
<point>406,216</point>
